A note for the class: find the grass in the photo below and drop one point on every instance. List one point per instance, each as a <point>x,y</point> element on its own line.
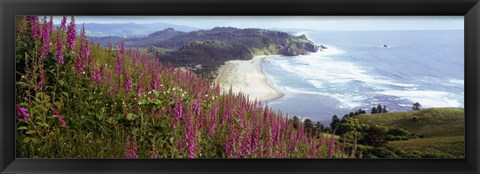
<point>443,128</point>
<point>453,145</point>
<point>433,122</point>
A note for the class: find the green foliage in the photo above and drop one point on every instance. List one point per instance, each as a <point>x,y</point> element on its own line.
<point>296,122</point>
<point>375,136</point>
<point>416,106</point>
<point>308,125</point>
<point>348,124</point>
<point>398,134</point>
<point>334,123</point>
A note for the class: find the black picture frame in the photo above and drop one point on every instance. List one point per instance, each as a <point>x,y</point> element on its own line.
<point>470,9</point>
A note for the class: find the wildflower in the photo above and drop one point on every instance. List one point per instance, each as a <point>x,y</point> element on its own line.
<point>354,146</point>
<point>50,25</point>
<point>122,48</point>
<point>331,146</point>
<point>128,84</point>
<point>119,65</point>
<point>140,87</point>
<point>45,38</point>
<point>103,73</point>
<point>71,34</point>
<point>63,25</point>
<point>134,147</point>
<point>95,76</point>
<point>180,144</point>
<point>196,107</point>
<point>179,110</point>
<point>22,112</point>
<point>128,153</point>
<point>59,50</point>
<point>154,84</point>
<point>59,117</point>
<point>217,89</point>
<point>228,146</point>
<point>79,65</point>
<point>32,20</point>
<point>85,48</point>
<point>42,79</point>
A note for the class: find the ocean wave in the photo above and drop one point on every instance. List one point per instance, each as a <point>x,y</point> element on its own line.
<point>333,73</point>
<point>427,98</point>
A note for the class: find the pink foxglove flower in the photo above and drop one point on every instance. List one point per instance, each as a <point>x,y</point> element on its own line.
<point>59,50</point>
<point>59,117</point>
<point>42,79</point>
<point>134,147</point>
<point>71,34</point>
<point>22,112</point>
<point>128,153</point>
<point>63,25</point>
<point>35,27</point>
<point>79,65</point>
<point>128,84</point>
<point>45,38</point>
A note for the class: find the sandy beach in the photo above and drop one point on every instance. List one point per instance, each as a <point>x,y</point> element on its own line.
<point>247,77</point>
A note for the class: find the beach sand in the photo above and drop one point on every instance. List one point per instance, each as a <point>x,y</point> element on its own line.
<point>247,77</point>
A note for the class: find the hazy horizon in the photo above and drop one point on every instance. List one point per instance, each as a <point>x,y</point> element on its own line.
<point>319,23</point>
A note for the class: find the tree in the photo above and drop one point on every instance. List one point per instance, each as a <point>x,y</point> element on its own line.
<point>308,125</point>
<point>375,136</point>
<point>374,110</point>
<point>416,106</point>
<point>379,109</point>
<point>319,126</point>
<point>296,122</point>
<point>385,109</point>
<point>349,124</point>
<point>335,122</point>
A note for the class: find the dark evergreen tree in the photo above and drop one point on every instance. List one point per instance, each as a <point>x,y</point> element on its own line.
<point>379,109</point>
<point>296,122</point>
<point>308,125</point>
<point>384,110</point>
<point>416,106</point>
<point>319,126</point>
<point>335,122</point>
<point>375,136</point>
<point>362,111</point>
<point>374,110</point>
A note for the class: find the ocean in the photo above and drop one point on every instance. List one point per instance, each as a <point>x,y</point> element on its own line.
<point>356,72</point>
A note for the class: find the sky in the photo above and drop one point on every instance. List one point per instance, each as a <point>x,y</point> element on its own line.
<point>322,23</point>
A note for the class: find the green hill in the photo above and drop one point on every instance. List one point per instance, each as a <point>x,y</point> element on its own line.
<point>433,122</point>
<point>443,129</point>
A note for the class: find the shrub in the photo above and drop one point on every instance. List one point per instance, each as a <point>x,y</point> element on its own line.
<point>375,136</point>
<point>350,124</point>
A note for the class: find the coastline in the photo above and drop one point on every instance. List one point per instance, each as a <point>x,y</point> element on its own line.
<point>248,78</point>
